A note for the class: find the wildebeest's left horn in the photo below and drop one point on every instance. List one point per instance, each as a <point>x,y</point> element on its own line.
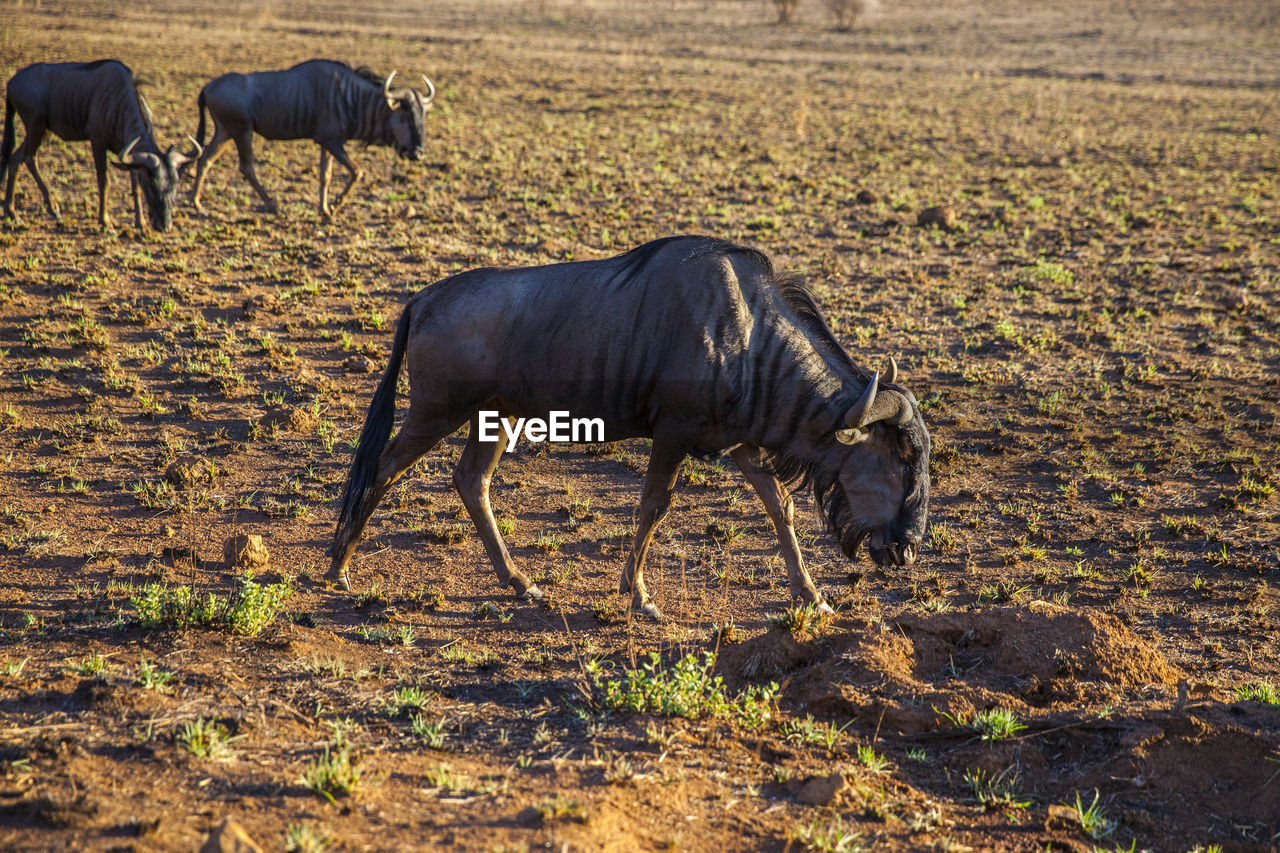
<point>196,148</point>
<point>386,89</point>
<point>856,417</point>
<point>873,406</point>
<point>431,90</point>
<point>126,156</point>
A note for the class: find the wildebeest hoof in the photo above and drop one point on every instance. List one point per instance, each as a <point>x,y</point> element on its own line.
<point>344,582</point>
<point>532,593</point>
<point>823,607</point>
<point>651,610</point>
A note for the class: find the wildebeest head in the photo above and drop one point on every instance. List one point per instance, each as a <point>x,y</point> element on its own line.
<point>158,175</point>
<point>871,478</point>
<point>408,117</point>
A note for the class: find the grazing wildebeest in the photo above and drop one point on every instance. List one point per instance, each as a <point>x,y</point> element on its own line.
<point>691,341</point>
<point>319,99</point>
<point>97,101</point>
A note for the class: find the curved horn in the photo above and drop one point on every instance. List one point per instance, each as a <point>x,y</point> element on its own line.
<point>199,149</point>
<point>891,375</point>
<point>856,417</point>
<point>431,90</point>
<point>872,406</point>
<point>386,89</point>
<point>126,156</point>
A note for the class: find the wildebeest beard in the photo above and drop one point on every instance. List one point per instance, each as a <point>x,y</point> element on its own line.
<point>797,474</point>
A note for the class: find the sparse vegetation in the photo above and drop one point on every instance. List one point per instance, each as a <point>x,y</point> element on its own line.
<point>246,612</point>
<point>683,688</point>
<point>1060,223</point>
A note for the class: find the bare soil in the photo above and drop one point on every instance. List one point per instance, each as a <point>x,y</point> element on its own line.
<point>1092,332</point>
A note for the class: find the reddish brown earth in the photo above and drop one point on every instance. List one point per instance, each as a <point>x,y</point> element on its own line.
<point>1092,331</point>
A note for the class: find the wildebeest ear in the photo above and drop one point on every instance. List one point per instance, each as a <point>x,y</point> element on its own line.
<point>851,436</point>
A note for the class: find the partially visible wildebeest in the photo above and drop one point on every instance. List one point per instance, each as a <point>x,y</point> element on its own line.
<point>691,341</point>
<point>97,101</point>
<point>320,99</point>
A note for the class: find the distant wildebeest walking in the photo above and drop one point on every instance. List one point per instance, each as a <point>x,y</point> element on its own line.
<point>322,100</point>
<point>691,341</point>
<point>97,101</point>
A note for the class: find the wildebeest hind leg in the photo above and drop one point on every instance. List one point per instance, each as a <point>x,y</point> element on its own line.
<point>44,190</point>
<point>659,483</point>
<point>777,503</point>
<point>244,146</point>
<point>471,478</point>
<point>405,448</point>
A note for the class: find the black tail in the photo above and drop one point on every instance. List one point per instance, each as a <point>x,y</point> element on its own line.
<point>200,128</point>
<point>6,147</point>
<point>377,429</point>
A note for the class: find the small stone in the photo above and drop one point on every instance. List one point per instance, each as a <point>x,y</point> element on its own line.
<point>187,471</point>
<point>410,211</point>
<point>866,196</point>
<point>940,215</point>
<point>820,790</point>
<point>245,552</point>
<point>1062,817</point>
<point>296,419</point>
<point>359,364</point>
<point>229,837</point>
<point>1235,298</point>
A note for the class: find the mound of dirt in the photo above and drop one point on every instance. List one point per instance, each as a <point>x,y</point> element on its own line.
<point>1011,657</point>
<point>1040,643</point>
<point>186,472</point>
<point>291,418</point>
<point>245,552</point>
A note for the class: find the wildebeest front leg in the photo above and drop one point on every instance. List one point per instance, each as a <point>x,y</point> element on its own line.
<point>781,510</point>
<point>326,172</point>
<point>659,483</point>
<point>405,448</point>
<point>100,165</point>
<point>341,156</point>
<point>471,478</point>
<point>137,200</point>
<point>210,154</point>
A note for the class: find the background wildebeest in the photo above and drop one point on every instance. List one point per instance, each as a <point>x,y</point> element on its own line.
<point>97,101</point>
<point>319,99</point>
<point>691,341</point>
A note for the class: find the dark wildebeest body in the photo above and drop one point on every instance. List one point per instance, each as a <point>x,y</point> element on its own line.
<point>691,341</point>
<point>94,101</point>
<point>321,100</point>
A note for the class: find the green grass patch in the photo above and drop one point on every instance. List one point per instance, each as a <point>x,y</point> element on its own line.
<point>249,610</point>
<point>685,688</point>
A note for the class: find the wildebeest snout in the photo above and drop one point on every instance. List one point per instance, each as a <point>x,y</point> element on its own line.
<point>900,554</point>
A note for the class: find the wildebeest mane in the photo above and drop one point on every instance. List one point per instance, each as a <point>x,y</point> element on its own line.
<point>796,472</point>
<point>364,71</point>
<point>367,73</point>
<point>804,310</point>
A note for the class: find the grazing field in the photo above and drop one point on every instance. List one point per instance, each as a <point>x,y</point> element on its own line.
<point>1087,654</point>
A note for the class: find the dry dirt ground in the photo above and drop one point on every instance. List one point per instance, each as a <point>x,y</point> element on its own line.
<point>1086,655</point>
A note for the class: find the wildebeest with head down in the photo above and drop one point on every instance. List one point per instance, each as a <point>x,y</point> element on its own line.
<point>320,99</point>
<point>97,101</point>
<point>691,341</point>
